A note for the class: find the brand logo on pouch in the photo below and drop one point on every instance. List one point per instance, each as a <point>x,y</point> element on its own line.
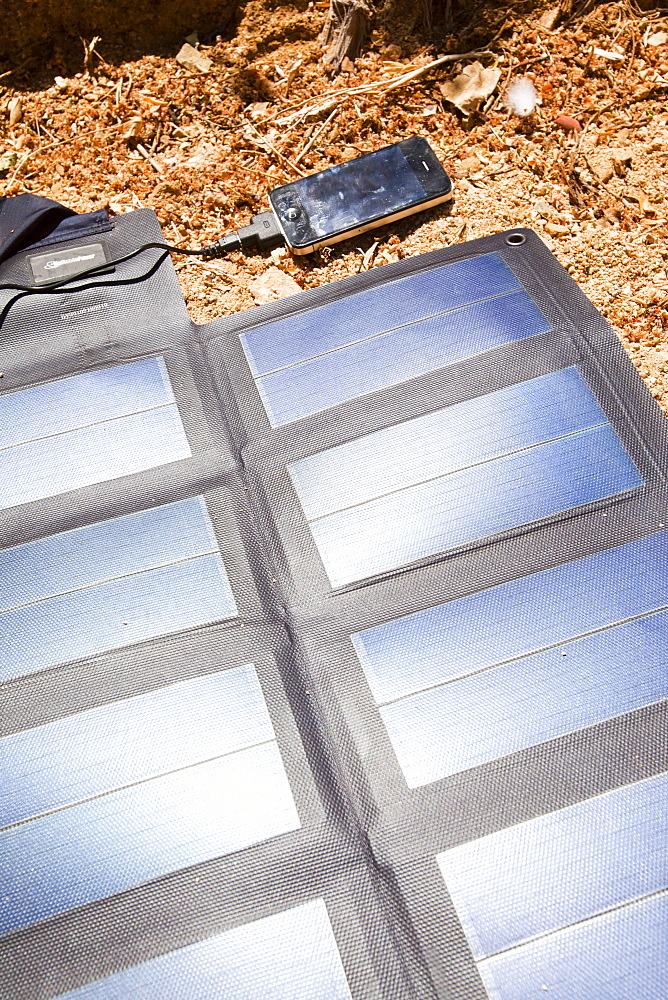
<point>50,264</point>
<point>54,266</point>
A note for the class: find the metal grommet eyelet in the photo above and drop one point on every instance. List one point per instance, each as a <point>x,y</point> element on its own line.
<point>515,239</point>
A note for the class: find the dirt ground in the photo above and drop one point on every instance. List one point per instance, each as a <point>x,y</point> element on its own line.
<point>203,149</point>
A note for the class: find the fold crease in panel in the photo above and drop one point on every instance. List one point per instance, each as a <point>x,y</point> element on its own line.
<point>87,429</point>
<point>289,956</point>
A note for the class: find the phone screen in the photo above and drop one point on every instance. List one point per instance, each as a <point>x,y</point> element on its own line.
<point>347,195</point>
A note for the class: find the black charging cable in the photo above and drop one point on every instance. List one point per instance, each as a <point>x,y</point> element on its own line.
<point>263,233</point>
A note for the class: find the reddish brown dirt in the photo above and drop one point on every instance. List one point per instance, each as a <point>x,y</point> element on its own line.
<point>203,150</point>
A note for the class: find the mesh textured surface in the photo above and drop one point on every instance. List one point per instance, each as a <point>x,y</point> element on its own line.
<point>382,715</point>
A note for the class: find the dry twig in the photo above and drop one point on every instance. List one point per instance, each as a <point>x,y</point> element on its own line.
<point>264,144</point>
<point>316,135</point>
<point>326,102</point>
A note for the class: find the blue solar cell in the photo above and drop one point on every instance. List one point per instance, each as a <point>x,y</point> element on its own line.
<point>105,748</point>
<point>386,359</point>
<point>88,398</point>
<point>481,717</point>
<point>375,311</point>
<point>110,584</point>
<point>118,547</point>
<point>431,647</point>
<point>561,868</point>
<point>437,444</point>
<point>289,956</point>
<point>87,429</point>
<point>464,506</point>
<point>108,844</point>
<point>479,467</point>
<point>622,955</point>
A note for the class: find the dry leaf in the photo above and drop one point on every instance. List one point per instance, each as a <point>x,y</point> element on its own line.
<point>154,102</point>
<point>473,86</point>
<point>133,128</point>
<point>273,284</point>
<point>15,108</point>
<point>192,60</point>
<point>258,110</point>
<point>621,160</point>
<point>203,156</point>
<point>608,54</point>
<point>292,73</point>
<point>368,256</point>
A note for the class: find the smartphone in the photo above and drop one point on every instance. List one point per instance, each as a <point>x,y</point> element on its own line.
<point>361,194</point>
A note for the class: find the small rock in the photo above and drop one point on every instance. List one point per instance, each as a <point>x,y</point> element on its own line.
<point>568,124</point>
<point>273,284</point>
<point>192,60</point>
<point>555,229</point>
<point>392,52</point>
<point>165,188</point>
<point>622,160</point>
<point>217,201</point>
<point>548,19</point>
<point>60,82</point>
<point>603,168</point>
<point>347,65</point>
<point>649,295</point>
<point>15,108</point>
<point>466,166</point>
<point>658,38</point>
<point>542,208</point>
<point>7,162</point>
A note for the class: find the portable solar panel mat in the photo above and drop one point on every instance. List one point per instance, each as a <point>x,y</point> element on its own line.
<point>333,639</point>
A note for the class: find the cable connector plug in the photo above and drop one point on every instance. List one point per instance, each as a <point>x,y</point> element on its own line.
<point>263,233</point>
